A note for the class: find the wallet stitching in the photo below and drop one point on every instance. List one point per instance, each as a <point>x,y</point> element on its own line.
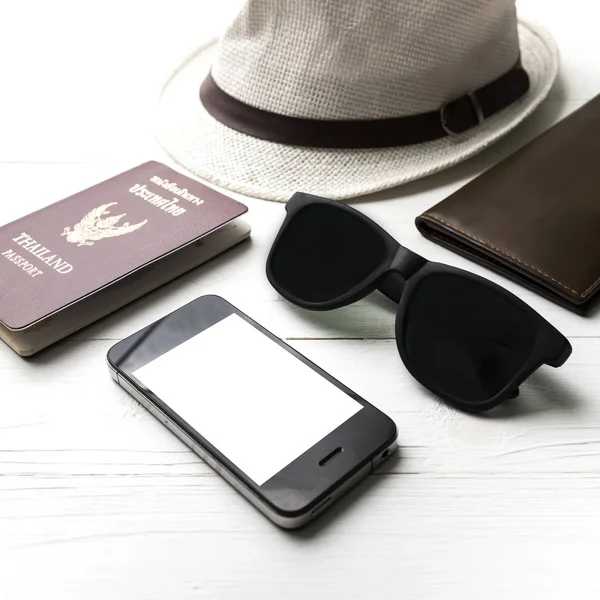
<point>460,246</point>
<point>511,256</point>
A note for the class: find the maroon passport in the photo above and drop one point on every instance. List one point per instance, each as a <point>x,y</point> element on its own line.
<point>78,259</point>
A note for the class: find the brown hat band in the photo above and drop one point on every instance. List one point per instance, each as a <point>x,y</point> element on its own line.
<point>453,118</point>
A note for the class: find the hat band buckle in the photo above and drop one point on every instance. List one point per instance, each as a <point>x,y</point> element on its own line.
<point>475,105</point>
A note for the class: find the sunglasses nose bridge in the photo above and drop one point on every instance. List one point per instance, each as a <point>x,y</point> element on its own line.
<point>406,263</point>
<point>403,266</point>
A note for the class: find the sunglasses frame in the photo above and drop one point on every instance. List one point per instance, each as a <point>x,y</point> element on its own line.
<point>398,275</point>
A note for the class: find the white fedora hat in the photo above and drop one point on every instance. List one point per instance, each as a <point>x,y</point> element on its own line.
<point>344,98</point>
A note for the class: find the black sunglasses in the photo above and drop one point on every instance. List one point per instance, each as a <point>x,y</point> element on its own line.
<point>464,338</point>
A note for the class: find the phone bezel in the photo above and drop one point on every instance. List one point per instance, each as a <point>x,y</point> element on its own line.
<point>303,484</point>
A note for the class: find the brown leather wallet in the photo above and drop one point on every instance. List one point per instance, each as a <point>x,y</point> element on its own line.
<point>535,216</point>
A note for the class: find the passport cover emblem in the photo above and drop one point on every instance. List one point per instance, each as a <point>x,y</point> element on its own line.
<point>78,247</point>
<point>93,227</point>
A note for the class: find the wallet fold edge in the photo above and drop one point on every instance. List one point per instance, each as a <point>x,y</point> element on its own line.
<point>451,237</point>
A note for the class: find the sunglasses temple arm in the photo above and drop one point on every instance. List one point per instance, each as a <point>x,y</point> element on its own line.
<point>553,346</point>
<point>561,357</point>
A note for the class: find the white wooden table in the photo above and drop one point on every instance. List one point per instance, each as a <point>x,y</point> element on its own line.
<point>99,501</point>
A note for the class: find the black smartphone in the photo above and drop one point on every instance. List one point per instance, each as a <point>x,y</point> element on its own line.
<point>287,435</point>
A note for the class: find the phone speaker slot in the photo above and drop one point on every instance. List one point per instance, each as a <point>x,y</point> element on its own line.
<point>330,456</point>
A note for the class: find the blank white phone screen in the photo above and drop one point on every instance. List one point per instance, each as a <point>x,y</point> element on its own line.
<point>255,402</point>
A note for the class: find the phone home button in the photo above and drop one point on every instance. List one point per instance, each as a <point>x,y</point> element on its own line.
<point>321,507</point>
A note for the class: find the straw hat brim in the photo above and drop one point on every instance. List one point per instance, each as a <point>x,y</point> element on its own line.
<point>272,171</point>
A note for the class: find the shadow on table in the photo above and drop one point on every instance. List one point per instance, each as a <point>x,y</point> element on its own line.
<point>545,390</point>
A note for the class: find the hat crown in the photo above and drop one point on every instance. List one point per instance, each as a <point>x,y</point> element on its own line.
<point>364,59</point>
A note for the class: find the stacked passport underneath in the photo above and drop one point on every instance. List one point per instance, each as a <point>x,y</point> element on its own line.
<point>535,216</point>
<point>79,259</point>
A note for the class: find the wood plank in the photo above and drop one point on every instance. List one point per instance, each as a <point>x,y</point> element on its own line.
<point>417,536</point>
<point>71,418</point>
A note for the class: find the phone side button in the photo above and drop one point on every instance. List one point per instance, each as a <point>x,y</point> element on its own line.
<point>321,507</point>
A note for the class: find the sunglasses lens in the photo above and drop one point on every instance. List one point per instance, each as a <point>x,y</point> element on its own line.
<point>465,339</point>
<point>324,253</point>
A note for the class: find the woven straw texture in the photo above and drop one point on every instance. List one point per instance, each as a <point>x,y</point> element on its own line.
<point>364,60</point>
<point>262,169</point>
